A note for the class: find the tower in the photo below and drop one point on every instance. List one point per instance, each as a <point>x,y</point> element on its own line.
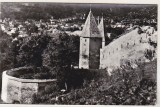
<point>101,29</point>
<point>90,44</point>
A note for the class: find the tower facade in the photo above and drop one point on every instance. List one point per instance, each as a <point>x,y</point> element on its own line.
<point>90,44</point>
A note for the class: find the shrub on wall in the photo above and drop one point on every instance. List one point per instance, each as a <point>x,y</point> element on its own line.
<point>149,54</point>
<point>139,30</point>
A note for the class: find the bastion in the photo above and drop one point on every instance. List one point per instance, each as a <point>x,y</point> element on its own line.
<point>17,90</point>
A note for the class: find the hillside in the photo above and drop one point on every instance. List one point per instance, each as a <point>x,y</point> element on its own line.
<point>130,48</point>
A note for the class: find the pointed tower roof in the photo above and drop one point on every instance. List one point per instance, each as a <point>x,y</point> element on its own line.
<point>90,28</point>
<point>101,28</point>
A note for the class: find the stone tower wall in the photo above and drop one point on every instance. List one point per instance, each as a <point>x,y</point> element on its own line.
<point>90,53</point>
<point>84,53</point>
<point>94,55</point>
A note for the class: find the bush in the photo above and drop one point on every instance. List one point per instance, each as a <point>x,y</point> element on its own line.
<point>126,86</point>
<point>27,76</point>
<point>123,88</point>
<point>42,76</point>
<point>140,30</point>
<point>149,54</point>
<point>44,96</point>
<point>51,88</point>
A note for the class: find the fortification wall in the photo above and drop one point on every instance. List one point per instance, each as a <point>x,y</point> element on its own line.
<point>16,90</point>
<point>129,47</point>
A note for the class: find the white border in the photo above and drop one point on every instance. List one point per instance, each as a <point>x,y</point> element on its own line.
<point>101,1</point>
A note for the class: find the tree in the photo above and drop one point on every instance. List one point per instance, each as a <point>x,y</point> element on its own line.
<point>32,28</point>
<point>61,52</point>
<point>30,51</point>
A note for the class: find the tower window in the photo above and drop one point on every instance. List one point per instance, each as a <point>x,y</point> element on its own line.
<point>85,40</point>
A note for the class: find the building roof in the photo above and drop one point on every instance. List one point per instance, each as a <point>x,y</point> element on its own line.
<point>90,28</point>
<point>101,28</point>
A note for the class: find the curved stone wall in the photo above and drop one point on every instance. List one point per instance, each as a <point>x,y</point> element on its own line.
<point>16,90</point>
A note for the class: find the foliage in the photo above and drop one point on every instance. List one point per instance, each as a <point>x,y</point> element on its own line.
<point>115,32</point>
<point>126,86</point>
<point>61,52</point>
<point>140,30</point>
<point>149,54</point>
<point>31,28</point>
<point>14,35</point>
<point>5,43</point>
<point>29,52</point>
<point>46,94</point>
<point>152,43</point>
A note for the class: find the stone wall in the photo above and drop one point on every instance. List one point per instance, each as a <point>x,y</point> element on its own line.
<point>90,52</point>
<point>16,90</point>
<point>94,52</point>
<point>84,53</point>
<point>129,47</point>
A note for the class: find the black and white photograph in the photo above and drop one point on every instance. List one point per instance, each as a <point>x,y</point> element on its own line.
<point>62,53</point>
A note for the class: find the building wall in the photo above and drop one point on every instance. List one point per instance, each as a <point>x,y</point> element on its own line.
<point>84,53</point>
<point>94,52</point>
<point>90,53</point>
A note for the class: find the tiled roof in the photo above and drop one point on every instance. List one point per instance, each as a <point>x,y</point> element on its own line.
<point>90,28</point>
<point>101,28</point>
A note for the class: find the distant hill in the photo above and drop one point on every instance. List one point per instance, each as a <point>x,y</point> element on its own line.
<point>62,10</point>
